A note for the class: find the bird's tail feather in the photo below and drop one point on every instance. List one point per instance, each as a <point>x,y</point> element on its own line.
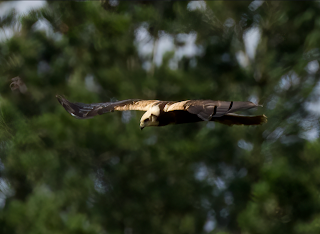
<point>234,119</point>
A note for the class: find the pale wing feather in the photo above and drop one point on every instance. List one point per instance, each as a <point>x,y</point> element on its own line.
<point>172,106</point>
<point>142,105</point>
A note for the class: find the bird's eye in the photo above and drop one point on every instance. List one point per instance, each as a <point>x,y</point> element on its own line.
<point>146,120</point>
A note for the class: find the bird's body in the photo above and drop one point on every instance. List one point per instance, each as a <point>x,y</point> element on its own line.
<point>162,113</point>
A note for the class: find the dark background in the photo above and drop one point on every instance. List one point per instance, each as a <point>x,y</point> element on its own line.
<point>103,175</point>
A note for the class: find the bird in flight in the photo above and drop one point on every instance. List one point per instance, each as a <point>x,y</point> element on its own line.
<point>161,113</point>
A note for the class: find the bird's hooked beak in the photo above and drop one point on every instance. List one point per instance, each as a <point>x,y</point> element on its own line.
<point>142,126</point>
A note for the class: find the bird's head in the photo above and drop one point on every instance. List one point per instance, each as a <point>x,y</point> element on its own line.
<point>150,118</point>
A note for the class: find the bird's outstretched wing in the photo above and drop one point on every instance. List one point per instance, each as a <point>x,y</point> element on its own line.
<point>86,111</point>
<point>207,109</point>
<point>219,111</point>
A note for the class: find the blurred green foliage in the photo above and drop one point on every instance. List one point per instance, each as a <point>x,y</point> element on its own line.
<point>59,174</point>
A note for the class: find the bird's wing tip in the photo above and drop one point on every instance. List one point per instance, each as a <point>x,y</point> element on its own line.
<point>59,97</point>
<point>257,105</point>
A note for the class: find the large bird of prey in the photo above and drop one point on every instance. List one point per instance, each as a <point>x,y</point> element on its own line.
<point>161,113</point>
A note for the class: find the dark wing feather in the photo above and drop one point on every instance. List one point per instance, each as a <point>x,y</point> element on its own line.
<point>207,109</point>
<point>85,111</point>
